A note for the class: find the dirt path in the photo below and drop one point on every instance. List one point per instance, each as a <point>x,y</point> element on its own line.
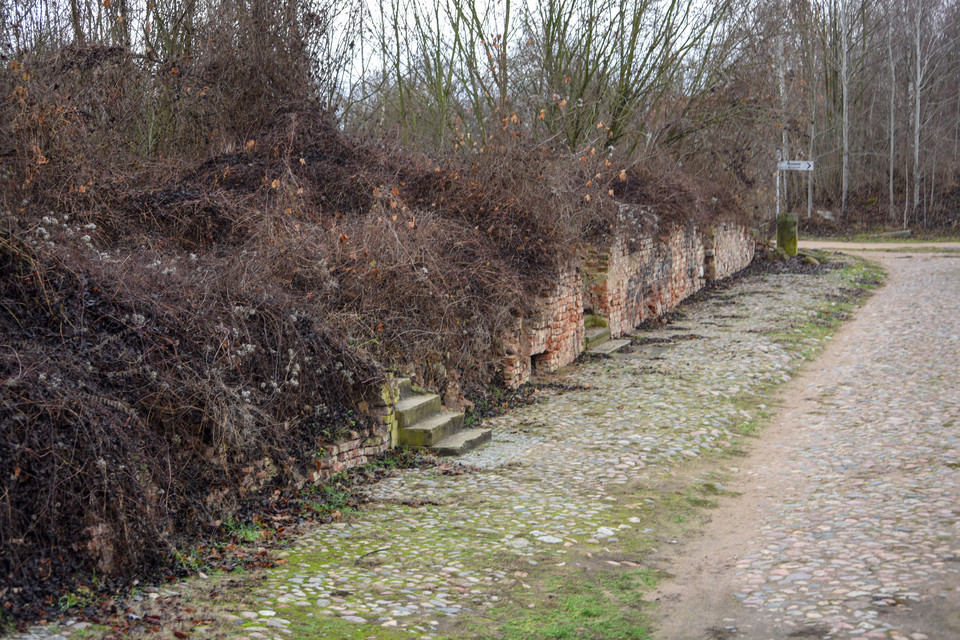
<point>831,245</point>
<point>847,526</point>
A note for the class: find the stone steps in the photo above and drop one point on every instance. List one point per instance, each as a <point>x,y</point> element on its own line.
<point>593,337</point>
<point>431,429</point>
<point>416,407</point>
<point>424,424</point>
<point>462,441</point>
<point>596,340</point>
<point>609,347</point>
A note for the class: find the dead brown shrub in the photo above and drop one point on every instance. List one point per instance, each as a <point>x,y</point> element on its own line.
<point>197,288</point>
<point>138,384</point>
<point>676,197</point>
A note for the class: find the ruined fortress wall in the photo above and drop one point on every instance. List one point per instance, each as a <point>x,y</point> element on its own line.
<point>733,248</point>
<point>627,284</point>
<point>653,278</point>
<point>552,336</point>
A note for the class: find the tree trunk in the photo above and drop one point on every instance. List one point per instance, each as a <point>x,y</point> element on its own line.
<point>956,129</point>
<point>917,83</point>
<point>893,97</point>
<point>124,26</point>
<point>782,77</point>
<point>75,20</point>
<point>933,186</point>
<point>813,124</point>
<point>845,85</point>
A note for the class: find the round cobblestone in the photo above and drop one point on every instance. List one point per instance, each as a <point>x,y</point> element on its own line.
<point>442,544</point>
<point>855,523</point>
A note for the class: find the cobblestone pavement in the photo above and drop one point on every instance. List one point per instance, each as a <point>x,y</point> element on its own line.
<point>437,546</point>
<point>439,549</point>
<point>854,530</point>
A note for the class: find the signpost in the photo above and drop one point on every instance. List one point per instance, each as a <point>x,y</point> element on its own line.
<point>787,223</point>
<point>795,165</point>
<point>789,165</point>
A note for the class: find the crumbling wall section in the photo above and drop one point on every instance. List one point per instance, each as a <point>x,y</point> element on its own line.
<point>730,249</point>
<point>361,447</point>
<point>364,445</point>
<point>651,277</point>
<point>632,281</point>
<point>550,337</point>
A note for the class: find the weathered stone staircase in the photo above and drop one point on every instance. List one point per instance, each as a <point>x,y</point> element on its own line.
<point>596,336</point>
<point>423,423</point>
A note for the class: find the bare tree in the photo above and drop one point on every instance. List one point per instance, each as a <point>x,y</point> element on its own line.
<point>845,87</point>
<point>892,65</point>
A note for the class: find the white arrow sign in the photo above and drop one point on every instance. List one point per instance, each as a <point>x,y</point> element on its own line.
<point>795,165</point>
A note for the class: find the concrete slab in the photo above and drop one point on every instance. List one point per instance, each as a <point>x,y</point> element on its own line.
<point>461,442</point>
<point>608,347</point>
<point>431,429</point>
<point>595,336</point>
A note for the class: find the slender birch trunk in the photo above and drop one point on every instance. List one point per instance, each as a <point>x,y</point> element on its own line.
<point>845,86</point>
<point>917,85</point>
<point>893,97</point>
<point>813,124</point>
<point>782,77</point>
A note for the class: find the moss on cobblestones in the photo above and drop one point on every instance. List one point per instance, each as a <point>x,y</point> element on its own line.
<point>549,531</point>
<point>609,605</point>
<point>807,335</point>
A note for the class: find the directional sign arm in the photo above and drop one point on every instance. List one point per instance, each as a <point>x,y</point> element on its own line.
<point>795,165</point>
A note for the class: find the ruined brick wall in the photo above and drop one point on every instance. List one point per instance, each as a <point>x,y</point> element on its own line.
<point>361,448</point>
<point>649,280</point>
<point>626,284</point>
<point>730,249</point>
<point>552,336</point>
<point>364,445</point>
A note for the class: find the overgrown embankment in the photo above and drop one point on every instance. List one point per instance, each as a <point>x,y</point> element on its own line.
<point>185,326</point>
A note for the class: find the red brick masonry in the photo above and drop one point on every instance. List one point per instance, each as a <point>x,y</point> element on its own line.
<point>626,284</point>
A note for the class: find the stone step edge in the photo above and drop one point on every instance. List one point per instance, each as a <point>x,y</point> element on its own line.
<point>462,441</point>
<point>608,347</point>
<point>431,429</point>
<point>593,337</point>
<point>417,407</point>
<point>405,386</point>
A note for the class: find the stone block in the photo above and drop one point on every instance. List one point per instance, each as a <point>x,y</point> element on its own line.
<point>787,232</point>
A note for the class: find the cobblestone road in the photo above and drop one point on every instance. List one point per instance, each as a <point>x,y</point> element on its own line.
<point>566,493</point>
<point>550,488</point>
<point>848,526</point>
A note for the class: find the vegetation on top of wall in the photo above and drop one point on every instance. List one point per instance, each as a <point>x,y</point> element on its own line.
<point>188,322</point>
<point>222,221</point>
